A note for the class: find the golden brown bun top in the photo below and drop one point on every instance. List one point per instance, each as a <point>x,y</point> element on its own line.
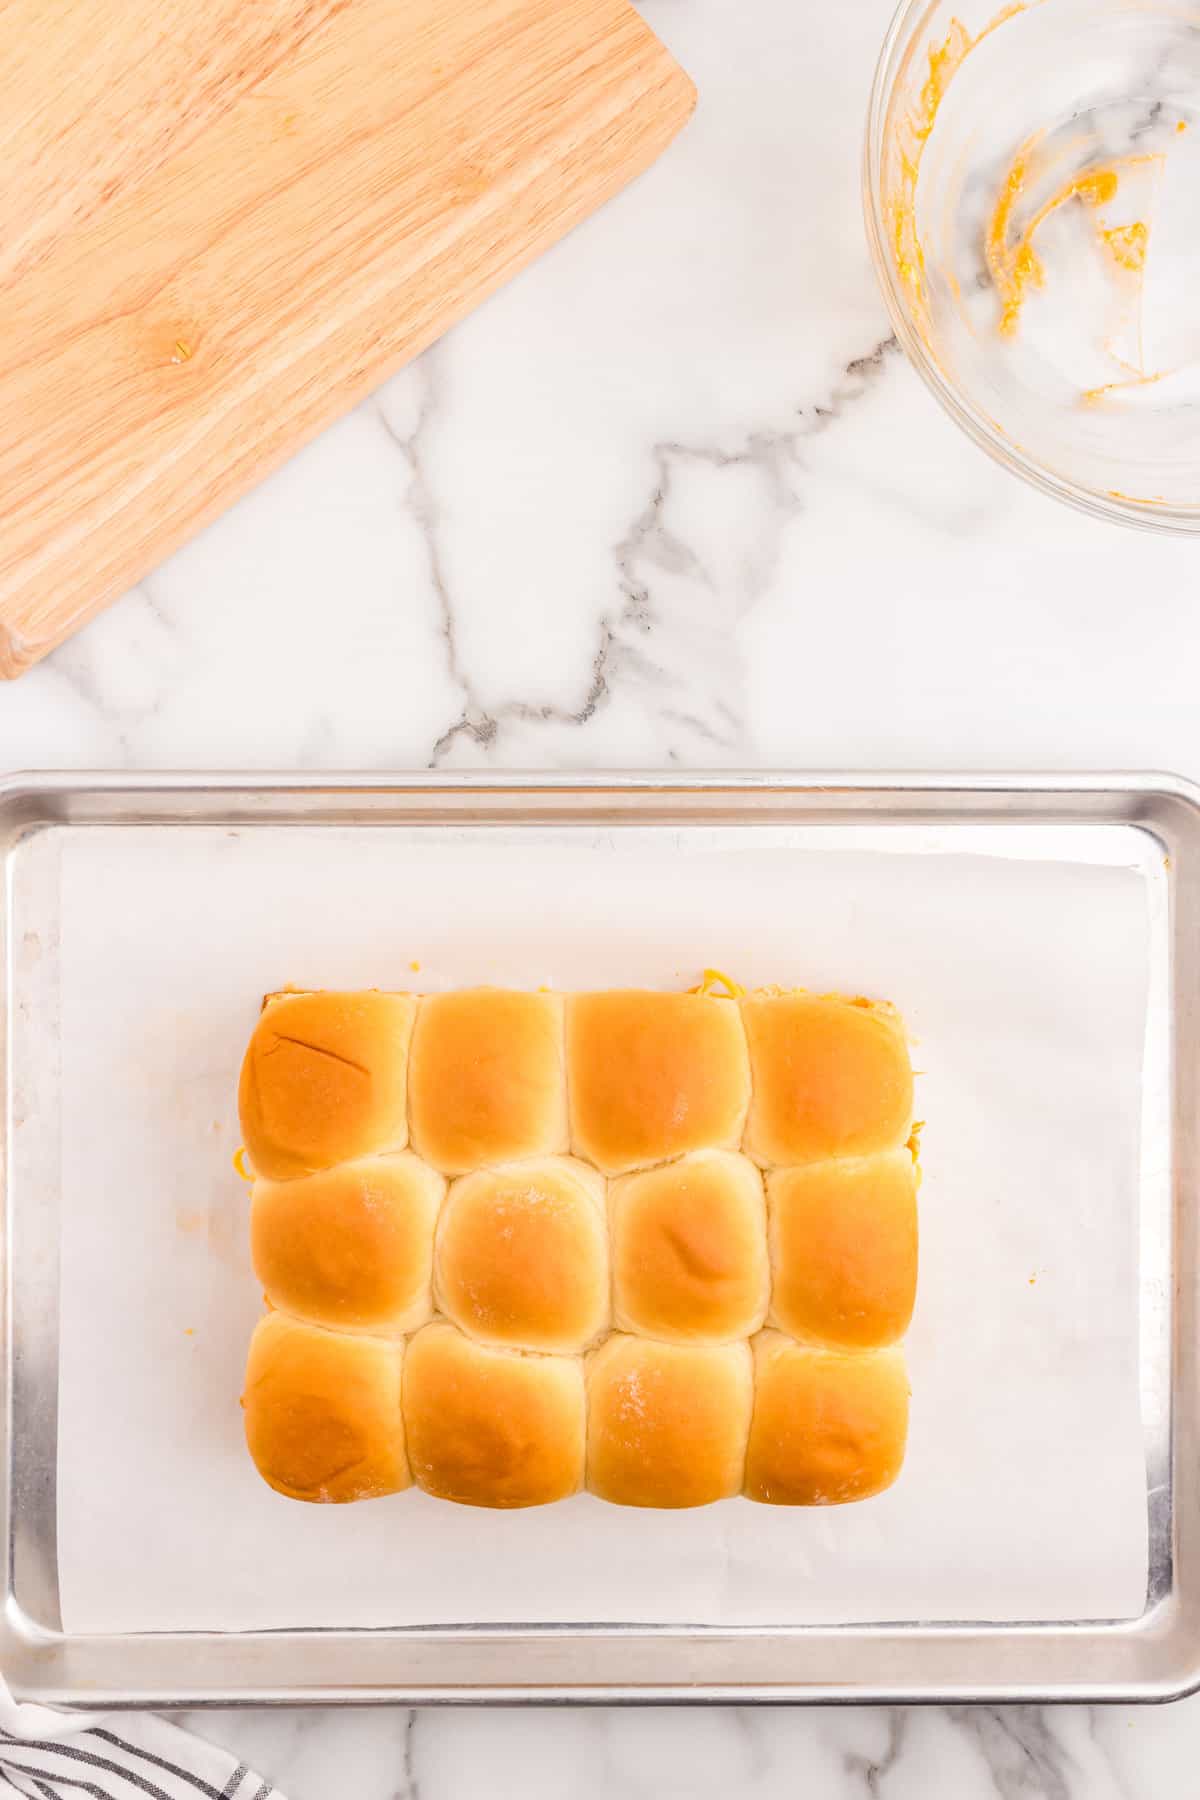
<point>667,1423</point>
<point>522,1255</point>
<point>322,1412</point>
<point>844,1249</point>
<point>492,1427</point>
<point>689,1247</point>
<point>828,1426</point>
<point>325,1079</point>
<point>528,1101</point>
<point>832,1077</point>
<point>350,1247</point>
<point>651,1075</point>
<point>486,1082</point>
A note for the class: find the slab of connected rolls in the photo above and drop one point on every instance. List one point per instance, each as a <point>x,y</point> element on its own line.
<point>659,1245</point>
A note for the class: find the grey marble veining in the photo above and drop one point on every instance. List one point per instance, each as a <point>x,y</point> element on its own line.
<point>960,1753</point>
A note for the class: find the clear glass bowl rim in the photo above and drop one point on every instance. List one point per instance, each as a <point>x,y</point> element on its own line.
<point>906,21</point>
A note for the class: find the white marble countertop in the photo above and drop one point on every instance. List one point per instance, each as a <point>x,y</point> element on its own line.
<point>672,498</point>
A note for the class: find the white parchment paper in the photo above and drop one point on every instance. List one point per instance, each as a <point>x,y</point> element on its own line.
<point>1024,982</point>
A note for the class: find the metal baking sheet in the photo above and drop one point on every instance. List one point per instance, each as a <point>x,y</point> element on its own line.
<point>1153,1656</point>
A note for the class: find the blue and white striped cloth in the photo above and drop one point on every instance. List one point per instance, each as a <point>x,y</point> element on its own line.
<point>47,1755</point>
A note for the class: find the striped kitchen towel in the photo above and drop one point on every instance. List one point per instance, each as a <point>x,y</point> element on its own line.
<point>50,1755</point>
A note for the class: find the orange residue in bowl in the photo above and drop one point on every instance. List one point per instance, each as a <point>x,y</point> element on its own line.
<point>912,134</point>
<point>1126,244</point>
<point>1013,262</point>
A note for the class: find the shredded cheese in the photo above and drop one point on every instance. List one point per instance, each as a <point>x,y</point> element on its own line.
<point>716,979</point>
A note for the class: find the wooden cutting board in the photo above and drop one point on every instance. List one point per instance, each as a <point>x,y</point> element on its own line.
<point>218,236</point>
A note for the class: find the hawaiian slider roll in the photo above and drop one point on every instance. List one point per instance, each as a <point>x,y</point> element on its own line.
<point>486,1083</point>
<point>689,1249</point>
<point>325,1079</point>
<point>522,1255</point>
<point>829,1426</point>
<point>490,1427</point>
<point>652,1075</point>
<point>667,1423</point>
<point>351,1247</point>
<point>832,1077</point>
<point>322,1412</point>
<point>843,1237</point>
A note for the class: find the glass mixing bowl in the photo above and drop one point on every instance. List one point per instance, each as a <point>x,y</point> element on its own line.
<point>1032,192</point>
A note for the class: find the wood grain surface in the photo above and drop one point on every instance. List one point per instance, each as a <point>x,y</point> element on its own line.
<point>172,340</point>
<point>94,94</point>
